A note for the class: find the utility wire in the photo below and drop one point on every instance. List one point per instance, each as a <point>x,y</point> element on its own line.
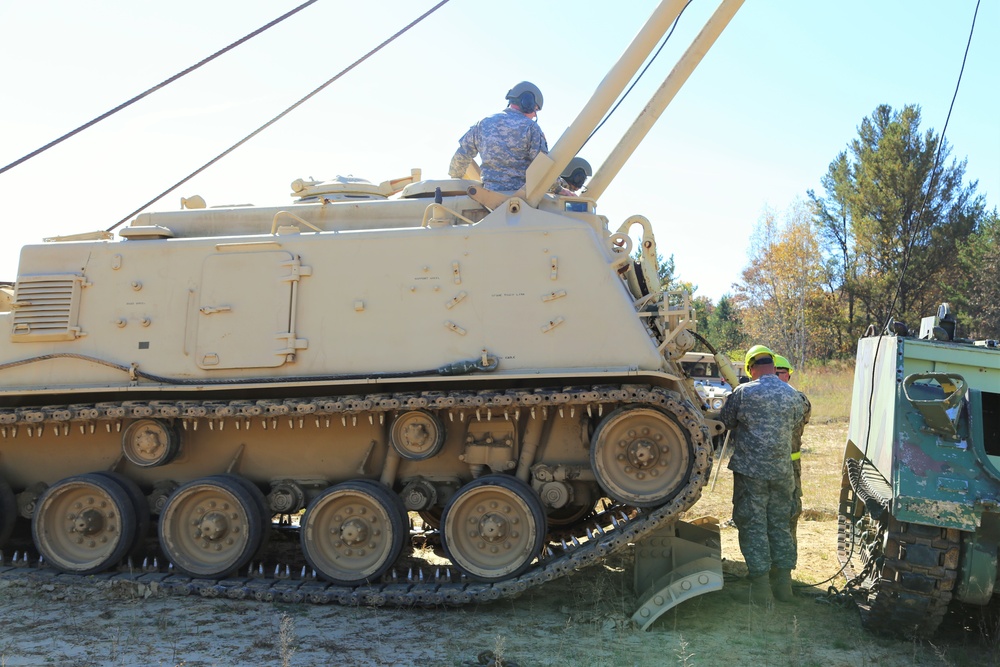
<point>909,247</point>
<point>933,175</point>
<point>911,240</point>
<point>629,90</point>
<point>279,116</point>
<point>156,87</point>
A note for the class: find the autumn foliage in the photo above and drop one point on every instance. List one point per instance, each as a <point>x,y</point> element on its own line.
<point>896,231</point>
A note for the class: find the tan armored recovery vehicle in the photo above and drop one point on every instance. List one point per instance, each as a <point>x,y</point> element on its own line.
<point>498,364</point>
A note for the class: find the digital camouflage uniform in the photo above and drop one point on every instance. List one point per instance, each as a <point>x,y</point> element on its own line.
<point>797,467</point>
<point>764,415</point>
<point>561,187</point>
<point>507,142</point>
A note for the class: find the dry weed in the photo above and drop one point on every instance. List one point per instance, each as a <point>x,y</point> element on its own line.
<point>684,655</point>
<point>286,639</point>
<point>499,649</point>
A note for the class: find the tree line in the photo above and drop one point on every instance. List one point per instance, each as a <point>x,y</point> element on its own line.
<point>895,232</point>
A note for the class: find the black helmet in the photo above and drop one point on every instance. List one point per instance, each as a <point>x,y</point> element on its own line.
<point>576,172</point>
<point>526,95</point>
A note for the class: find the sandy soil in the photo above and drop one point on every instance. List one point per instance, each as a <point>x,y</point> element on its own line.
<point>579,620</point>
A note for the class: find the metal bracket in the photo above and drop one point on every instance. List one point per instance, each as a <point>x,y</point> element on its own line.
<point>362,467</point>
<point>940,414</point>
<point>489,199</point>
<point>674,564</point>
<point>118,464</point>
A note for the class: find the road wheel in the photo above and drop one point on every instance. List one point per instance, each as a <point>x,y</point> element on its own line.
<point>353,532</point>
<point>493,527</point>
<point>210,527</point>
<point>84,524</point>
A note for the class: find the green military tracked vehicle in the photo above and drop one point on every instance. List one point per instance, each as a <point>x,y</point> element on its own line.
<point>920,499</point>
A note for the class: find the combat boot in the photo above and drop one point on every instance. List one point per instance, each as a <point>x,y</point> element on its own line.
<point>760,590</point>
<point>781,585</point>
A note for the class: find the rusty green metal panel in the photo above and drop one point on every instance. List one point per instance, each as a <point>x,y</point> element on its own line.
<point>939,477</point>
<point>980,366</point>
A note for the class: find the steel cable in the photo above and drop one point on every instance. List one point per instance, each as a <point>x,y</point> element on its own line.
<point>155,88</point>
<point>279,116</point>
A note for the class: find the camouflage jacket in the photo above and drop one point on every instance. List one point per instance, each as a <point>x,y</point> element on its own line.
<point>765,415</point>
<point>507,142</point>
<point>797,435</point>
<point>561,187</point>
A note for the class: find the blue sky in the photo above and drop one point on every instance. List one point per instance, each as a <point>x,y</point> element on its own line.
<point>757,124</point>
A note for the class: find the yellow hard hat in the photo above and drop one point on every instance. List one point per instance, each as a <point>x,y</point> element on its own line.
<point>781,362</point>
<point>753,353</point>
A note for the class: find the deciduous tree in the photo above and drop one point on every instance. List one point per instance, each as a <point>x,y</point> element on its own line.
<point>781,293</point>
<point>720,323</point>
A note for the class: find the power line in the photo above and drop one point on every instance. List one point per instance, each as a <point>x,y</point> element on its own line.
<point>933,176</point>
<point>906,257</point>
<point>909,245</point>
<point>156,87</point>
<point>636,81</point>
<point>279,116</point>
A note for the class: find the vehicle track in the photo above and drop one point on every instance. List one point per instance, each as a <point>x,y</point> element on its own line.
<point>589,542</point>
<point>909,571</point>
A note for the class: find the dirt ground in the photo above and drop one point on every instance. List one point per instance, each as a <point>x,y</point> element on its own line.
<point>579,620</point>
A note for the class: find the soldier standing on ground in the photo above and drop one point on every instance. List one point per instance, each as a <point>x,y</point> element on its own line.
<point>763,415</point>
<point>783,369</point>
<point>507,141</point>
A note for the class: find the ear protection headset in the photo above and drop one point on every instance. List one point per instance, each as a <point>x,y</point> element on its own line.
<point>577,178</point>
<point>526,96</point>
<point>526,101</point>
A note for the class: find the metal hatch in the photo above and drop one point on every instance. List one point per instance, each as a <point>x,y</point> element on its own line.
<point>246,310</point>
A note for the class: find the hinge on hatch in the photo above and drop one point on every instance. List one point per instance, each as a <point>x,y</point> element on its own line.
<point>296,269</point>
<point>291,343</point>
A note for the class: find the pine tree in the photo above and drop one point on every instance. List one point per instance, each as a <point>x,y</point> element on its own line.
<point>891,223</point>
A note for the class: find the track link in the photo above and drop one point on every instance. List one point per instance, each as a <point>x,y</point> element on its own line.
<point>916,581</point>
<point>909,570</point>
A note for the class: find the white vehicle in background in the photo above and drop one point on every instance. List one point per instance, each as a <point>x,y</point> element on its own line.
<point>702,368</point>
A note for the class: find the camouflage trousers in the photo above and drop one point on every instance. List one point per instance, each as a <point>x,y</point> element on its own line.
<point>762,510</point>
<point>796,501</point>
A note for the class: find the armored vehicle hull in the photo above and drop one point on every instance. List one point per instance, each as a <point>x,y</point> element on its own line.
<point>440,363</point>
<point>323,373</point>
<point>921,480</point>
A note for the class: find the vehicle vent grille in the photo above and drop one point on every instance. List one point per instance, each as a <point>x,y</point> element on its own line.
<point>47,308</point>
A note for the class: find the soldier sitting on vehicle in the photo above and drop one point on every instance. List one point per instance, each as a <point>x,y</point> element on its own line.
<point>573,177</point>
<point>507,141</point>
